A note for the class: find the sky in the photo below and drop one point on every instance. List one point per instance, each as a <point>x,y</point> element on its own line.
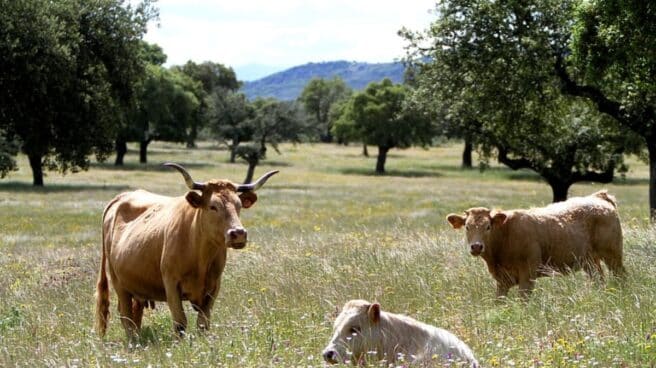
<point>272,35</point>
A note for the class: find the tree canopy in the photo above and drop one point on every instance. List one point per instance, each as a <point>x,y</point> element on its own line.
<point>380,116</point>
<point>216,81</point>
<point>68,71</point>
<point>611,62</point>
<point>229,118</point>
<point>318,96</point>
<point>167,108</point>
<point>272,122</point>
<point>491,74</point>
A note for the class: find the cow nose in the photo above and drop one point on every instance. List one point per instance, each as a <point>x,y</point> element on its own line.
<point>476,248</point>
<point>237,235</point>
<point>330,356</point>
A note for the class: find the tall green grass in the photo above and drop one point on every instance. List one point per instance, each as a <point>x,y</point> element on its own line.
<point>323,231</point>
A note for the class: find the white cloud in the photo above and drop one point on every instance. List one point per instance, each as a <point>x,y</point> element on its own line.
<point>285,32</point>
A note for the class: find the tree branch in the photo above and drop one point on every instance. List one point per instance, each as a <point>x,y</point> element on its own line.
<point>515,164</point>
<point>604,104</point>
<point>598,177</point>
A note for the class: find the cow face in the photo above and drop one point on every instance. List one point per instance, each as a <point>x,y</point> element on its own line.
<point>220,206</point>
<point>356,332</point>
<point>479,224</point>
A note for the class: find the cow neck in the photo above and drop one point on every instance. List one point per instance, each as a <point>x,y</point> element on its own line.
<point>210,244</point>
<point>495,244</point>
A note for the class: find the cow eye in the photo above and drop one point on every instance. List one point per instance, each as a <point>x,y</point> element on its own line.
<point>488,227</point>
<point>467,227</point>
<point>214,208</point>
<point>354,330</point>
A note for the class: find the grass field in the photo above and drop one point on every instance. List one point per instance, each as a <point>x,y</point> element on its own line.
<point>323,231</point>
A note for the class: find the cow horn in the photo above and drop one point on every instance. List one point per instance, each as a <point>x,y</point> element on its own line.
<point>258,183</point>
<point>190,183</point>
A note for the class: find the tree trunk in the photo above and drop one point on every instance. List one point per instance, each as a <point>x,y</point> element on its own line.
<point>651,147</point>
<point>365,151</point>
<point>559,190</point>
<point>250,172</point>
<point>121,150</point>
<point>37,169</point>
<point>191,137</point>
<point>233,153</point>
<point>328,138</point>
<point>143,151</point>
<point>382,157</point>
<point>233,149</point>
<point>467,155</point>
<point>263,148</point>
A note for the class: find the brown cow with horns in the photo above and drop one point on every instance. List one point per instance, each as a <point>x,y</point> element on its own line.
<point>160,248</point>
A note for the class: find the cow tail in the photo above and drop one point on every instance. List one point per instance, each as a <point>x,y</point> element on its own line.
<point>606,197</point>
<point>102,295</point>
<point>102,286</point>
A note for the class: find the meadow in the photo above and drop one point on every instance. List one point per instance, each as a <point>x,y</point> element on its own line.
<point>325,230</point>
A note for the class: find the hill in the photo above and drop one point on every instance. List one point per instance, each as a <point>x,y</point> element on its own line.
<point>288,84</point>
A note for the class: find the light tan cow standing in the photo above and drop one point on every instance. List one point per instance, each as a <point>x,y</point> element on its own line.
<point>160,248</point>
<point>364,334</point>
<point>520,245</point>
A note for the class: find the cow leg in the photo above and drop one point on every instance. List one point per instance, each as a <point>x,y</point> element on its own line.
<point>526,282</point>
<point>204,312</point>
<point>205,307</point>
<point>502,289</point>
<point>125,313</point>
<point>175,306</point>
<point>593,268</point>
<point>614,263</point>
<point>137,312</point>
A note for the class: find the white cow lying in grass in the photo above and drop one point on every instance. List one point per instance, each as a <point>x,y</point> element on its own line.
<point>363,332</point>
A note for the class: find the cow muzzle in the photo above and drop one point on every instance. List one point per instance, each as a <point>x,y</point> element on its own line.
<point>476,249</point>
<point>236,237</point>
<point>331,356</point>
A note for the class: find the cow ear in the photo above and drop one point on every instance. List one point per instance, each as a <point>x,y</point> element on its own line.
<point>456,221</point>
<point>248,199</point>
<point>374,313</point>
<point>498,218</point>
<point>194,199</point>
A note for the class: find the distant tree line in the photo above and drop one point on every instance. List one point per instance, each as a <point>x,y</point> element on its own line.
<point>563,88</point>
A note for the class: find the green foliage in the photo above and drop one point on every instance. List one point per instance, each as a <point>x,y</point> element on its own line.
<point>152,53</point>
<point>216,81</point>
<point>170,105</point>
<point>275,122</point>
<point>289,84</point>
<point>611,62</point>
<point>229,116</point>
<point>167,105</point>
<point>68,72</point>
<point>211,75</point>
<point>318,96</point>
<point>8,150</point>
<point>491,77</point>
<point>613,43</point>
<point>342,125</point>
<point>380,116</point>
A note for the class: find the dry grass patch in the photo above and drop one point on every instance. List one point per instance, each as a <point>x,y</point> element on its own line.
<point>323,231</point>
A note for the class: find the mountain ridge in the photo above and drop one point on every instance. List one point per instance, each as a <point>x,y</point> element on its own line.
<point>289,83</point>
